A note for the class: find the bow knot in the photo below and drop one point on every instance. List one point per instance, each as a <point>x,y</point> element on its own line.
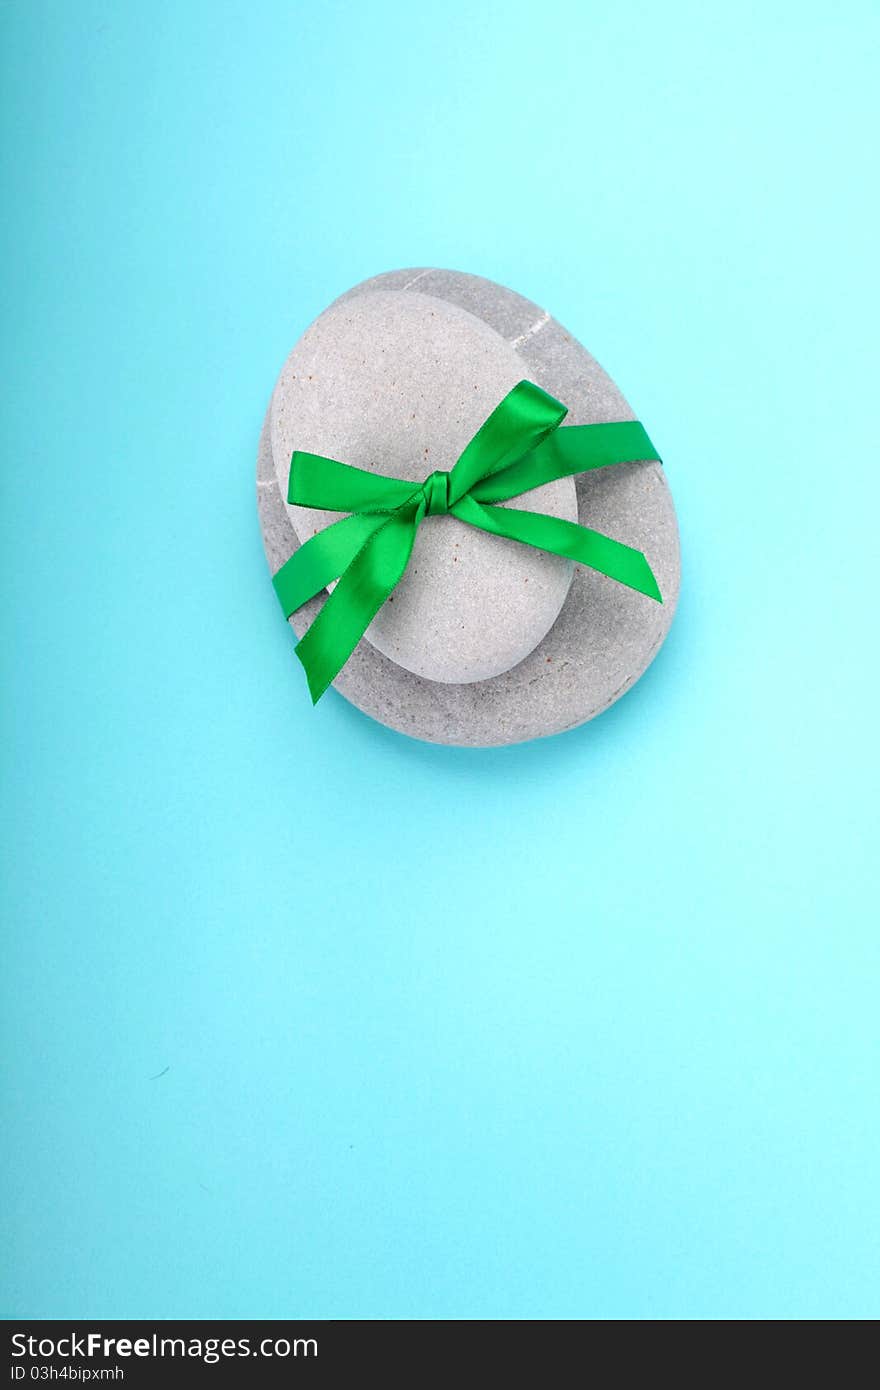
<point>518,448</point>
<point>435,490</point>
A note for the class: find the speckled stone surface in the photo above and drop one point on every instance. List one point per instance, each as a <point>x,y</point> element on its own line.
<point>398,383</point>
<point>605,635</point>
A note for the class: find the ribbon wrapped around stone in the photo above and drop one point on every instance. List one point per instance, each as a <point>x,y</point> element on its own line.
<point>519,447</point>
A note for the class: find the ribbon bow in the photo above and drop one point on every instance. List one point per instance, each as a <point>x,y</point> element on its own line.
<point>518,448</point>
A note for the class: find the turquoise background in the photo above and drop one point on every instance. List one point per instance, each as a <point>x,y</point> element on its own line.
<point>584,1028</point>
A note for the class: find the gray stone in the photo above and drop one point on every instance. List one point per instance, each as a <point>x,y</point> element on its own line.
<point>605,635</point>
<point>507,313</point>
<point>398,383</point>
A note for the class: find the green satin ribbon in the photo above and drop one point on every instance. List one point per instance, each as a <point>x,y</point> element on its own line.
<point>518,448</point>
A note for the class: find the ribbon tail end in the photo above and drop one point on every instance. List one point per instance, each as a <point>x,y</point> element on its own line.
<point>648,582</point>
<point>316,683</point>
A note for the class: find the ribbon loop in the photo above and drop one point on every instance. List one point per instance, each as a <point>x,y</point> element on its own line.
<point>519,447</point>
